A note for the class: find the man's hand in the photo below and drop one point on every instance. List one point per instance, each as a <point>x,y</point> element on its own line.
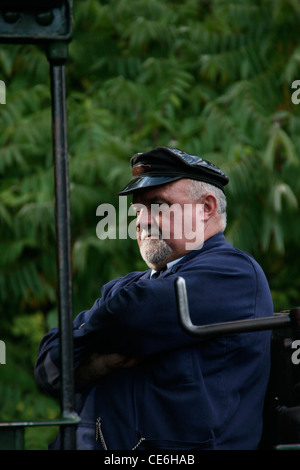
<point>106,363</point>
<point>99,365</point>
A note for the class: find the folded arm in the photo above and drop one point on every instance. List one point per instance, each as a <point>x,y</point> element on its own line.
<point>138,317</point>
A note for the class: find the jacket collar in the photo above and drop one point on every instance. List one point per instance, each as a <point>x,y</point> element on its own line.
<point>216,241</point>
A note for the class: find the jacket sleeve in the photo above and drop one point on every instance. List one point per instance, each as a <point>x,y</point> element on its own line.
<point>47,367</point>
<point>141,317</point>
<point>123,320</point>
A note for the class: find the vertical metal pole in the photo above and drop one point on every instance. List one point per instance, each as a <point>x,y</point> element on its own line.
<point>62,213</point>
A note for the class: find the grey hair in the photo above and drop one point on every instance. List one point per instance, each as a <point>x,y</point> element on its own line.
<point>196,189</point>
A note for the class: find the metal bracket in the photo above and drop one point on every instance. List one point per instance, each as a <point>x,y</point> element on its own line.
<point>24,22</point>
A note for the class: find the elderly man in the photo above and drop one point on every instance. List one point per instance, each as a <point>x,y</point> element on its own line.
<point>141,382</point>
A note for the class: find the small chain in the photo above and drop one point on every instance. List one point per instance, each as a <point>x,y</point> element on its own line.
<point>138,443</point>
<point>99,434</point>
<point>100,437</point>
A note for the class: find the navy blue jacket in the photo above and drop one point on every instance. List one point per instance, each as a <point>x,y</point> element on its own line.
<point>187,393</point>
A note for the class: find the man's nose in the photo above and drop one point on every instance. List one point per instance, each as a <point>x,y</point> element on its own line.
<point>146,221</point>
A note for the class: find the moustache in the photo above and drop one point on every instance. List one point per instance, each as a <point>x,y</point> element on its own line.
<point>151,232</point>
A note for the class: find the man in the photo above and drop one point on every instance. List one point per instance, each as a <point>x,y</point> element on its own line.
<point>141,381</point>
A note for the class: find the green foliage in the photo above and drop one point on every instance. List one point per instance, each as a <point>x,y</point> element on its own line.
<point>213,78</point>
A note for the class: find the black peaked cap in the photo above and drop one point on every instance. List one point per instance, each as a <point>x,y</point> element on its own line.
<point>165,164</point>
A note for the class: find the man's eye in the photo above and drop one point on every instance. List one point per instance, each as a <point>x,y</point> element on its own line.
<point>160,208</point>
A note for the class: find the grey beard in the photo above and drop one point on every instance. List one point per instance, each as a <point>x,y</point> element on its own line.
<point>154,251</point>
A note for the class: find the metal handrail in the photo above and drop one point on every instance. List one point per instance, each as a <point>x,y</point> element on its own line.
<point>65,420</point>
<point>278,320</point>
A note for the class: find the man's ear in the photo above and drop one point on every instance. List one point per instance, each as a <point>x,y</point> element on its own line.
<point>210,206</point>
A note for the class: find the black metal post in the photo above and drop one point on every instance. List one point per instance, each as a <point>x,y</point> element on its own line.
<point>50,24</point>
<point>61,175</point>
